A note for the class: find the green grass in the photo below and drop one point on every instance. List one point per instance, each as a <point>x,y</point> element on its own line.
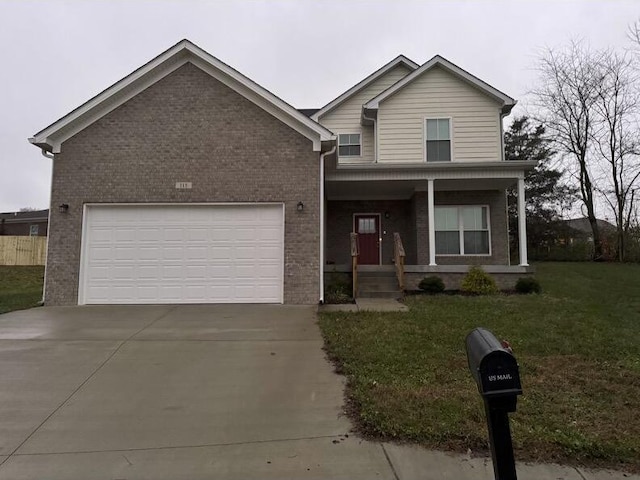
<point>20,287</point>
<point>578,346</point>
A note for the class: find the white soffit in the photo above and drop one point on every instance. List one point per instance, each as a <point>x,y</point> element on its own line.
<point>51,138</point>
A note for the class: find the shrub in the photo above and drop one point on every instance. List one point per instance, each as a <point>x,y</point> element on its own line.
<point>432,284</point>
<point>338,290</point>
<point>528,285</point>
<point>479,282</point>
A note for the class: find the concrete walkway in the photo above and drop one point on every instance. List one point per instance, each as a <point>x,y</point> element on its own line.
<point>191,392</point>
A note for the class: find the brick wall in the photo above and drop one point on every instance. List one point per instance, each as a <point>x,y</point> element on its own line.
<point>340,224</point>
<point>411,219</point>
<point>187,127</point>
<point>496,200</point>
<point>452,281</point>
<point>498,224</point>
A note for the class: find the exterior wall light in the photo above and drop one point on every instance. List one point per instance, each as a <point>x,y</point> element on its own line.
<point>63,208</point>
<point>300,206</point>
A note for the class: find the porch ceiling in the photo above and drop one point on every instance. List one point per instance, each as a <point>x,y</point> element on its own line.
<point>404,189</point>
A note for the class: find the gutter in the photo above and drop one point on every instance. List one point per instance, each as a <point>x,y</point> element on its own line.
<point>322,226</point>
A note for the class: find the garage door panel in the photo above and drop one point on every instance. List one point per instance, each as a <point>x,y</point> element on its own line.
<point>125,234</point>
<point>183,254</point>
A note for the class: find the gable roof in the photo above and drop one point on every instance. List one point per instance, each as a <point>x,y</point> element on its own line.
<point>399,60</point>
<point>583,225</point>
<point>507,102</point>
<point>51,138</point>
<point>30,215</point>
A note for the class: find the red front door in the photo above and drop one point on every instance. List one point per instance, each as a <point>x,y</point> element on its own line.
<point>368,229</point>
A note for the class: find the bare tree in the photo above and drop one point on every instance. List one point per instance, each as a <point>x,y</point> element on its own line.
<point>568,90</point>
<point>616,139</point>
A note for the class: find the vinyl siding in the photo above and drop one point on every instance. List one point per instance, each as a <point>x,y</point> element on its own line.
<point>346,117</point>
<point>475,120</point>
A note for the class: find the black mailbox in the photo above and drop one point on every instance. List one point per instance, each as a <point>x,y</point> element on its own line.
<point>493,367</point>
<point>496,373</point>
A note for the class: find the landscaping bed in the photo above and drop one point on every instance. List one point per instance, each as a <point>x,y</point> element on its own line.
<point>20,287</point>
<point>577,343</point>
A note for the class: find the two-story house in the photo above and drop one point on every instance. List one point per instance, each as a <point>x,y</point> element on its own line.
<point>187,182</point>
<point>420,154</point>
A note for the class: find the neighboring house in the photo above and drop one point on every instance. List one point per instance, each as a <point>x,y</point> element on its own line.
<point>28,223</point>
<point>186,182</point>
<point>579,229</point>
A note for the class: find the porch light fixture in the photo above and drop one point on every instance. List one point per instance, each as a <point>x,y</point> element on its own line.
<point>387,214</point>
<point>63,208</point>
<point>300,206</point>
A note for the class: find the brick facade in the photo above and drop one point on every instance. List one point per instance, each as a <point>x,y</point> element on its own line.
<point>410,218</point>
<point>340,224</point>
<point>187,127</point>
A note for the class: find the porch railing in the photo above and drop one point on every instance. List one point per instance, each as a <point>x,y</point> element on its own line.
<point>354,262</point>
<point>398,256</point>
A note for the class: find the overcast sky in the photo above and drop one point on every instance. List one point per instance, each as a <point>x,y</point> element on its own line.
<point>55,55</point>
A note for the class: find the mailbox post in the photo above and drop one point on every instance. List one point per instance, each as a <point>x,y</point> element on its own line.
<point>496,373</point>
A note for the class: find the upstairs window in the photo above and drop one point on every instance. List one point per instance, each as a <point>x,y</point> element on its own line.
<point>462,230</point>
<point>349,145</point>
<point>33,230</point>
<point>438,139</point>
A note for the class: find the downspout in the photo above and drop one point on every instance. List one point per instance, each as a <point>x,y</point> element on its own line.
<point>322,155</point>
<point>502,155</point>
<point>46,254</point>
<point>375,135</point>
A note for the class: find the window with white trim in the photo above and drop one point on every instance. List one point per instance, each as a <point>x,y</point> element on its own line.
<point>349,145</point>
<point>33,230</point>
<point>438,139</point>
<point>462,230</point>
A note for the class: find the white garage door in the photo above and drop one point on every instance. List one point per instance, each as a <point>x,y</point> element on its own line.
<point>140,254</point>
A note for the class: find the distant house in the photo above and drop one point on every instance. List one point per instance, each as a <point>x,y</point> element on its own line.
<point>32,223</point>
<point>579,229</point>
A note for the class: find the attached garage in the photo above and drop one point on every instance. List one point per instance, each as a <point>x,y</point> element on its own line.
<point>185,182</point>
<point>182,253</point>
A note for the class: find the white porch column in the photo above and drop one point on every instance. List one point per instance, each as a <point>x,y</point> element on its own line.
<point>522,224</point>
<point>432,223</point>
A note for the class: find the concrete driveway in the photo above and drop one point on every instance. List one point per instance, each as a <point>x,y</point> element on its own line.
<point>191,392</point>
<point>172,392</point>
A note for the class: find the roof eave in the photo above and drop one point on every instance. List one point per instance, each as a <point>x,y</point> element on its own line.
<point>400,59</point>
<point>507,102</point>
<point>51,138</point>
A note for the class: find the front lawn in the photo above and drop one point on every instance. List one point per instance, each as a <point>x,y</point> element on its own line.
<point>578,346</point>
<point>20,287</point>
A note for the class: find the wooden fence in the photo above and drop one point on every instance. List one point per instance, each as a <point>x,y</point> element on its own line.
<point>22,250</point>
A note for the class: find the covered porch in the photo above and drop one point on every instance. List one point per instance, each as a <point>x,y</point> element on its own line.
<point>446,219</point>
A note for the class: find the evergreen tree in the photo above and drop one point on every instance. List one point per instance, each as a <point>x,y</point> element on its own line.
<point>546,195</point>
